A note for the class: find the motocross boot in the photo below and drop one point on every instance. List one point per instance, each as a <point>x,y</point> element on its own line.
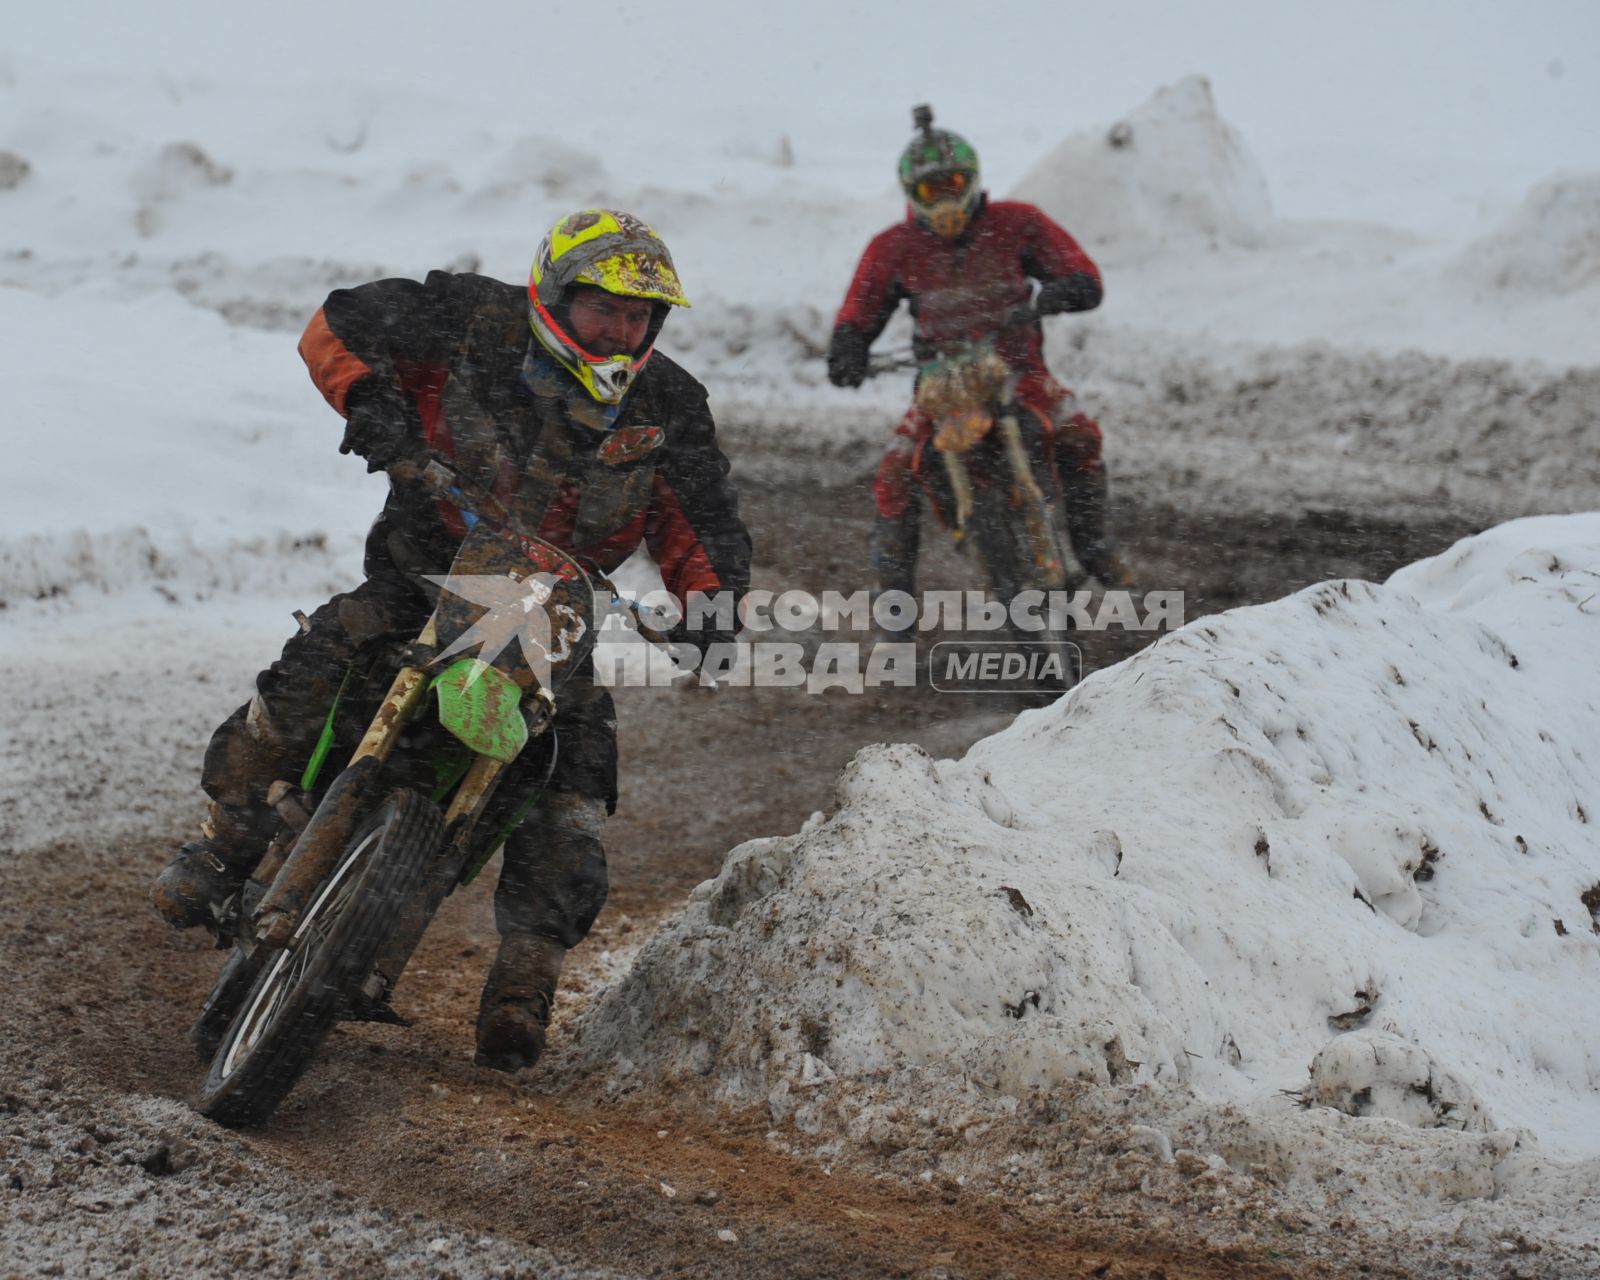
<point>515,1009</point>
<point>1084,499</point>
<point>207,871</point>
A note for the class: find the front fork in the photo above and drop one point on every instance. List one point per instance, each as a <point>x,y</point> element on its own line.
<point>955,466</point>
<point>312,856</point>
<point>1042,548</point>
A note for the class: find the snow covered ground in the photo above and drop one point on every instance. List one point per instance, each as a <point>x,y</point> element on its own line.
<point>1325,856</point>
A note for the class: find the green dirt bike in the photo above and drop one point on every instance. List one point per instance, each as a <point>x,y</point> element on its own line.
<point>323,929</point>
<point>981,476</point>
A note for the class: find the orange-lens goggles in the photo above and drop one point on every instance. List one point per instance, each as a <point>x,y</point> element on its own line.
<point>943,188</point>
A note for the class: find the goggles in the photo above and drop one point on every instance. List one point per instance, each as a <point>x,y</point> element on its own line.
<point>946,186</point>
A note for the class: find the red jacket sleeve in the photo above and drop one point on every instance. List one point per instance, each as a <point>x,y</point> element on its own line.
<point>1048,252</point>
<point>693,530</point>
<point>876,289</point>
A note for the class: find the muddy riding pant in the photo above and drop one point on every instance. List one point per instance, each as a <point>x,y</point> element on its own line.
<point>553,878</point>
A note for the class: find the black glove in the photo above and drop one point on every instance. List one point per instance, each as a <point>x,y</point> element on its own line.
<point>376,425</point>
<point>712,643</point>
<point>847,356</point>
<point>701,641</point>
<point>1078,292</point>
<point>1016,317</point>
<point>690,649</point>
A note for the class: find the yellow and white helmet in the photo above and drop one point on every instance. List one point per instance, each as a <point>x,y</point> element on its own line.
<point>615,252</point>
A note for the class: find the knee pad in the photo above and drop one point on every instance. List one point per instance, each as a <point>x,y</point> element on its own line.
<point>553,881</point>
<point>571,815</point>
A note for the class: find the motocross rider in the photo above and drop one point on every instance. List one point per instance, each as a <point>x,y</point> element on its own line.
<point>963,262</point>
<point>449,367</point>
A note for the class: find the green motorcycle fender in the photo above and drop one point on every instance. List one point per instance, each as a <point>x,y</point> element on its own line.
<point>483,708</point>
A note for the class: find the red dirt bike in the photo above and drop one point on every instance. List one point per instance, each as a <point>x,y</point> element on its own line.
<point>982,475</point>
<point>323,929</point>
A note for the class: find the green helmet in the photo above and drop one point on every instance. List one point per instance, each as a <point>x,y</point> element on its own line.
<point>939,174</point>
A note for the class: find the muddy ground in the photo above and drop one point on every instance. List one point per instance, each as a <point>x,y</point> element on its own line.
<point>397,1156</point>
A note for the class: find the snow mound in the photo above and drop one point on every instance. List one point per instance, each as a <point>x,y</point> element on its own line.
<point>1551,244</point>
<point>1172,172</point>
<point>1377,1073</point>
<point>1352,809</point>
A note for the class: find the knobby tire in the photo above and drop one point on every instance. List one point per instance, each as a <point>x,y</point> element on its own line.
<point>303,989</point>
<point>1001,541</point>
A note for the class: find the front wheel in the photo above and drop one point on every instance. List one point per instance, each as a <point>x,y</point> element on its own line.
<point>233,984</point>
<point>305,986</point>
<point>1011,562</point>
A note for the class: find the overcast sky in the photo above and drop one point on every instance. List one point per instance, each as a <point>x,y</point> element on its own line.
<point>1511,91</point>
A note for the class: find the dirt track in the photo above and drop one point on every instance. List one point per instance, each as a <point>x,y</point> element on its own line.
<point>395,1122</point>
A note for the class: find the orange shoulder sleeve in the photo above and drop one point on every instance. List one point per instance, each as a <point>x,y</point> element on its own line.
<point>334,368</point>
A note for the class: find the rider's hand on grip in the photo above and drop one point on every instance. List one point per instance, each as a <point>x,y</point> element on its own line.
<point>690,668</point>
<point>378,425</point>
<point>1078,292</point>
<point>713,656</point>
<point>1018,316</point>
<point>847,357</point>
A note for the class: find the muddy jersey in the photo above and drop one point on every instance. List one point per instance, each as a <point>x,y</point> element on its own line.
<point>962,290</point>
<point>454,360</point>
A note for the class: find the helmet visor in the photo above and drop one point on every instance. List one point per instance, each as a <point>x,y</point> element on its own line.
<point>634,271</point>
<point>944,186</point>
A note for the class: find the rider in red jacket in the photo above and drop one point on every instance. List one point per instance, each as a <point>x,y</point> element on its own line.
<point>965,264</point>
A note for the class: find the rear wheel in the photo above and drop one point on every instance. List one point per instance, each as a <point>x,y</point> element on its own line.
<point>304,987</point>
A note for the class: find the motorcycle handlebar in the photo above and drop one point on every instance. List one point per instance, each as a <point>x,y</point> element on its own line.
<point>432,471</point>
<point>906,358</point>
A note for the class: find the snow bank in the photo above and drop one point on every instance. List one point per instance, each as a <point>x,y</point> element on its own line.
<point>1363,811</point>
<point>1551,244</point>
<point>159,446</point>
<point>1171,174</point>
